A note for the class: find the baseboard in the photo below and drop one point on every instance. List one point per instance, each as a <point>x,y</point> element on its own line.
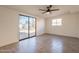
<point>61,35</point>
<point>8,44</point>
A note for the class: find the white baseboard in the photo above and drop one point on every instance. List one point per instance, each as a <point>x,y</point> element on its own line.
<point>63,35</point>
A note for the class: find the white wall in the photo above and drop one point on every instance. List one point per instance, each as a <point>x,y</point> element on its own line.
<point>78,28</point>
<point>8,26</point>
<point>69,27</point>
<point>9,23</point>
<point>40,26</point>
<point>77,17</point>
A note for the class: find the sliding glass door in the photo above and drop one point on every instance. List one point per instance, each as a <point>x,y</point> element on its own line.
<point>26,26</point>
<point>31,26</point>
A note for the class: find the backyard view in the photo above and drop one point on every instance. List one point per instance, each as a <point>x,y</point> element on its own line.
<point>26,26</point>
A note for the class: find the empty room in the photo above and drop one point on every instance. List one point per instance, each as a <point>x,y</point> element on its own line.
<point>39,28</point>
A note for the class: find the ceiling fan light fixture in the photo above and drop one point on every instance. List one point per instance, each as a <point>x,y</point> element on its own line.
<point>47,13</point>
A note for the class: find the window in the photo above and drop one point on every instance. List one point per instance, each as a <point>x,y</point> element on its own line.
<point>56,22</point>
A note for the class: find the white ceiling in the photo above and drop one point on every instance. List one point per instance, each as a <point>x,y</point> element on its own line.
<point>34,9</point>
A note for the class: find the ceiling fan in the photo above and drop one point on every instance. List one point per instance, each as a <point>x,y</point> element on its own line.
<point>49,9</point>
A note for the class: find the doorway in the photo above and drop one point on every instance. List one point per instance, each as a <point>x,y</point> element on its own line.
<point>27,27</point>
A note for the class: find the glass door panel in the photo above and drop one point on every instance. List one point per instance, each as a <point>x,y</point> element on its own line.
<point>26,26</point>
<point>23,26</point>
<point>31,26</point>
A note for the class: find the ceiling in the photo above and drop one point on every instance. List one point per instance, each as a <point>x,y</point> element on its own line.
<point>34,9</point>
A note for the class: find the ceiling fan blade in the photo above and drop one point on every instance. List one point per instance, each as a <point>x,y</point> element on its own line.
<point>54,10</point>
<point>42,10</point>
<point>50,6</point>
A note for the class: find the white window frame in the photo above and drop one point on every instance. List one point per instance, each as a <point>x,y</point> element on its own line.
<point>57,22</point>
